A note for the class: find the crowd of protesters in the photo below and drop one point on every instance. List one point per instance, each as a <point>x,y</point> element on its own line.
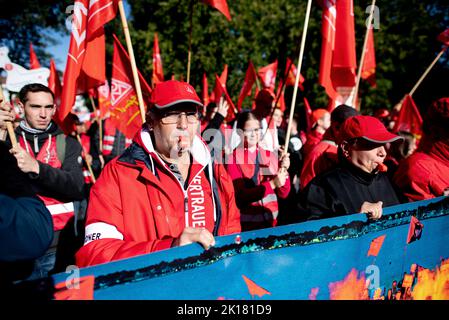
<point>189,175</point>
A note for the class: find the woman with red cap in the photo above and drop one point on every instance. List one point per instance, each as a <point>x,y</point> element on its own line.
<point>425,174</point>
<point>358,183</point>
<point>321,122</point>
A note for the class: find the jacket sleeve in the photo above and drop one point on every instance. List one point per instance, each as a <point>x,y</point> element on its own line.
<point>105,236</point>
<point>68,181</point>
<point>26,228</point>
<point>318,202</point>
<point>412,179</point>
<point>232,223</point>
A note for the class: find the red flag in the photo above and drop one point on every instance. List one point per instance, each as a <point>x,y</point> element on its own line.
<point>329,17</point>
<point>221,6</point>
<point>205,92</point>
<point>125,112</point>
<point>34,61</point>
<point>85,66</point>
<point>158,73</point>
<point>250,79</point>
<point>254,288</point>
<point>290,78</point>
<point>414,230</point>
<point>444,37</point>
<point>267,75</point>
<point>369,63</point>
<point>222,90</point>
<point>54,83</point>
<point>309,112</point>
<point>344,59</point>
<point>216,94</point>
<point>409,118</point>
<point>375,246</point>
<point>104,99</point>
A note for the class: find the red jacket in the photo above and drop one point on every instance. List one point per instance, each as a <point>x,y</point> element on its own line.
<point>322,158</point>
<point>257,200</point>
<point>425,174</point>
<point>138,206</point>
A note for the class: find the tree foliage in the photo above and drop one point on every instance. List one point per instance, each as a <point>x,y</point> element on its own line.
<point>267,30</point>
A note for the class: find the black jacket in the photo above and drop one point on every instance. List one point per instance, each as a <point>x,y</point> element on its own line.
<point>26,228</point>
<point>343,190</point>
<point>65,184</point>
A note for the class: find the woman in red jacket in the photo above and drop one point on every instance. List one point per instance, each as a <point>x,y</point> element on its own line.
<point>259,176</point>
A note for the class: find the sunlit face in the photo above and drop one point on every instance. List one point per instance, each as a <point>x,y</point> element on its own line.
<point>325,121</point>
<point>277,117</point>
<point>175,138</point>
<point>364,154</point>
<point>251,133</point>
<point>39,108</point>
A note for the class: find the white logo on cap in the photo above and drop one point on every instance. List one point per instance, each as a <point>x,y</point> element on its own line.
<point>188,89</point>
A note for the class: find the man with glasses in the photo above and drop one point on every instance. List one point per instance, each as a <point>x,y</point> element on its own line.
<point>164,190</point>
<point>50,160</point>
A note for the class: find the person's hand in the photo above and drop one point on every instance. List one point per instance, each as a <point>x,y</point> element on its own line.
<point>101,160</point>
<point>7,114</point>
<point>25,161</point>
<point>190,235</point>
<point>223,107</point>
<point>373,210</point>
<point>88,159</point>
<point>285,161</point>
<point>280,179</point>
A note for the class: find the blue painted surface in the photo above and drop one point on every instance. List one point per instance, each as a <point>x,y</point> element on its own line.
<point>288,272</point>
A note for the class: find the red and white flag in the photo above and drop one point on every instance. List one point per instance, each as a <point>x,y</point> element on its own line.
<point>158,73</point>
<point>85,66</point>
<point>248,83</point>
<point>34,61</point>
<point>369,62</point>
<point>267,75</point>
<point>125,111</point>
<point>221,6</point>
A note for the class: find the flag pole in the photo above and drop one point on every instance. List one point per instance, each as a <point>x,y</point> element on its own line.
<point>298,73</point>
<point>189,57</point>
<point>427,71</point>
<point>132,59</point>
<point>9,126</point>
<point>87,163</point>
<point>362,57</point>
<point>98,119</point>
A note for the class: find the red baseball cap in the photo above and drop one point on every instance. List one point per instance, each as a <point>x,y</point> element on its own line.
<point>172,92</point>
<point>366,127</point>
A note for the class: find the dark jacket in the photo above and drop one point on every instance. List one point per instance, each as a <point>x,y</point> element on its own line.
<point>26,228</point>
<point>65,184</point>
<point>344,189</point>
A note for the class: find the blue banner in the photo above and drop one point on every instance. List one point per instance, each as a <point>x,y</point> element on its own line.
<point>312,260</point>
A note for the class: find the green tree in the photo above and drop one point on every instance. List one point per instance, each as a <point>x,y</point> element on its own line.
<point>267,30</point>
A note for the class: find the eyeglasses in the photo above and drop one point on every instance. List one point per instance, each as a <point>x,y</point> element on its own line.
<point>174,117</point>
<point>250,131</point>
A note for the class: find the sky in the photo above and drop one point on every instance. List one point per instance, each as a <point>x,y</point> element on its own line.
<point>60,50</point>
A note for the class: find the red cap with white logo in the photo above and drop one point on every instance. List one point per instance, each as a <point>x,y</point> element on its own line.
<point>172,92</point>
